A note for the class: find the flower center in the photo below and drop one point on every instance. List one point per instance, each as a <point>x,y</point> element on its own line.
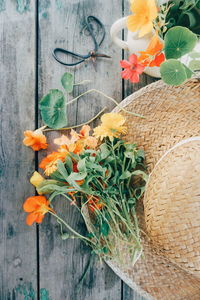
<point>133,67</point>
<point>43,209</point>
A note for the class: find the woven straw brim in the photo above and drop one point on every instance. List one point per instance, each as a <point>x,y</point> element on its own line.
<point>171,115</point>
<point>172,205</point>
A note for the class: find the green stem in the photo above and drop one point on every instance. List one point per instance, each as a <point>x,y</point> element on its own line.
<point>71,229</point>
<point>128,224</point>
<point>82,82</point>
<point>108,97</point>
<point>98,211</point>
<point>80,125</point>
<point>71,201</point>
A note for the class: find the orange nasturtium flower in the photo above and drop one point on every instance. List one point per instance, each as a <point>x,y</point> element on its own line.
<point>144,13</point>
<point>49,163</point>
<point>35,139</point>
<point>112,126</point>
<point>152,57</point>
<point>78,141</point>
<point>37,207</point>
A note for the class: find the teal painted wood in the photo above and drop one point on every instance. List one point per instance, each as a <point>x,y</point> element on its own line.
<point>62,263</point>
<point>18,265</point>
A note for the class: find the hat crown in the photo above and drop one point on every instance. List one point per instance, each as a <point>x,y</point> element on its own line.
<point>172,206</point>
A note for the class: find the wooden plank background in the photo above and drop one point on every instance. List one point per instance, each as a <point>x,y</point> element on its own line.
<point>18,264</point>
<point>35,263</point>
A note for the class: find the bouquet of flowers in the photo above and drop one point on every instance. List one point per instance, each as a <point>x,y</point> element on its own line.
<point>172,28</point>
<point>101,176</point>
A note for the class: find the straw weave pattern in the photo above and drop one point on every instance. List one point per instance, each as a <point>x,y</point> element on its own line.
<point>170,267</point>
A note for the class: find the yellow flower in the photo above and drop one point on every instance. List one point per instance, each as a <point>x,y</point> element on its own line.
<point>112,126</point>
<point>144,12</point>
<point>36,179</point>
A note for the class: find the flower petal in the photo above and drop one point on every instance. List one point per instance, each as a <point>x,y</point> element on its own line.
<point>158,60</point>
<point>31,218</point>
<point>126,74</point>
<point>125,64</point>
<point>63,140</point>
<point>146,28</point>
<point>39,218</point>
<point>36,179</point>
<point>91,142</point>
<point>35,139</point>
<point>85,130</point>
<point>153,10</point>
<point>133,59</point>
<point>140,68</point>
<point>33,203</point>
<point>133,23</point>
<point>134,77</point>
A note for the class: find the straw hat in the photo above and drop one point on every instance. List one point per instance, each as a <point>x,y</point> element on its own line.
<point>169,214</point>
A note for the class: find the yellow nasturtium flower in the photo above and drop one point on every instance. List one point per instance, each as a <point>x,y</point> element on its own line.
<point>144,13</point>
<point>36,179</point>
<point>112,125</point>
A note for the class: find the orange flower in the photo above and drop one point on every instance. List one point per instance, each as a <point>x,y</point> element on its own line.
<point>152,57</point>
<point>144,12</point>
<point>78,141</point>
<point>94,203</point>
<point>35,139</point>
<point>37,207</point>
<point>49,163</point>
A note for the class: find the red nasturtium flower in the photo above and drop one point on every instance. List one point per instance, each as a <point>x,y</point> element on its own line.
<point>37,207</point>
<point>35,139</point>
<point>153,56</point>
<point>132,69</point>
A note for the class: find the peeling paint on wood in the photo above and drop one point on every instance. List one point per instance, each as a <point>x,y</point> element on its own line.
<point>2,5</point>
<point>26,291</point>
<point>44,5</point>
<point>59,4</point>
<point>44,294</point>
<point>23,6</point>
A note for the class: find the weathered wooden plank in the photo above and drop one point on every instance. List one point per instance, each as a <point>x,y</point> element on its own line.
<point>62,262</point>
<point>18,267</point>
<point>129,294</point>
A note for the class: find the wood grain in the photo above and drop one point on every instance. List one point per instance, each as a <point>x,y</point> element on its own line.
<point>62,263</point>
<point>18,265</point>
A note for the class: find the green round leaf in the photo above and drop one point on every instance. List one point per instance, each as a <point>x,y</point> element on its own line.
<point>194,54</point>
<point>188,72</point>
<point>67,81</point>
<point>194,65</point>
<point>173,72</point>
<point>179,41</point>
<point>53,109</point>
